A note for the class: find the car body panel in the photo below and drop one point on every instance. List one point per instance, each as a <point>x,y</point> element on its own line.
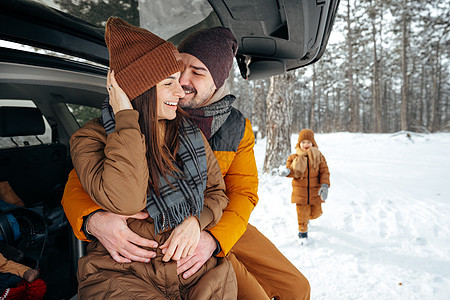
<point>37,25</point>
<point>273,36</point>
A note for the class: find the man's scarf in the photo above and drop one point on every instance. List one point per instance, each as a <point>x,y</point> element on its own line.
<point>211,117</point>
<point>300,161</point>
<point>181,195</point>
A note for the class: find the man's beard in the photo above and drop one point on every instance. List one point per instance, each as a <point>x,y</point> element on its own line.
<point>198,100</point>
<point>192,103</point>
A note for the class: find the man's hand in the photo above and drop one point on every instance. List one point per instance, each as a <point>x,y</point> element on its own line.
<point>202,253</point>
<point>123,244</point>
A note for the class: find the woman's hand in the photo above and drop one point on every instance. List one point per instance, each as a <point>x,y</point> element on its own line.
<point>117,97</point>
<point>182,241</point>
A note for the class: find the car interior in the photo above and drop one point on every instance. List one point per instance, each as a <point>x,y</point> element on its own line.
<point>53,68</point>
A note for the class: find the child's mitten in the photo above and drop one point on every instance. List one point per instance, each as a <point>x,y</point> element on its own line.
<point>283,171</point>
<point>323,191</point>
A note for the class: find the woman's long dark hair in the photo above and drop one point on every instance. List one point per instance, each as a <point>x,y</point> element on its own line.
<point>160,153</point>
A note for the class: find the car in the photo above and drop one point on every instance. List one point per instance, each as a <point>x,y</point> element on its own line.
<point>53,68</point>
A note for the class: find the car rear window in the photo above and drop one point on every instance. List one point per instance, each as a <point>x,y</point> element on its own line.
<point>83,113</point>
<point>165,18</point>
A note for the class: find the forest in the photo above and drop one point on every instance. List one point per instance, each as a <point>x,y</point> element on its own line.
<point>385,69</point>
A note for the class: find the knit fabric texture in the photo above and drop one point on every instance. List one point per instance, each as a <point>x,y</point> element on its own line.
<point>215,48</point>
<point>139,58</point>
<point>210,118</point>
<point>307,134</point>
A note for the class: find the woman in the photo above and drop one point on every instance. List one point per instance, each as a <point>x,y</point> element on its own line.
<point>145,154</point>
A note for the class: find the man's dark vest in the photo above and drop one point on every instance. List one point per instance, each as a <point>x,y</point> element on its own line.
<point>230,134</point>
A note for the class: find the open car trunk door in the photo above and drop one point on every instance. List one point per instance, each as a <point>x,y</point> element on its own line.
<point>274,36</point>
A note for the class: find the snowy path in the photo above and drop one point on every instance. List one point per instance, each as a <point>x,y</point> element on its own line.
<point>385,230</point>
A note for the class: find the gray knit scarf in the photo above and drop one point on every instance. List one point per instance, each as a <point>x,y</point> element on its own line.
<point>211,117</point>
<point>182,195</point>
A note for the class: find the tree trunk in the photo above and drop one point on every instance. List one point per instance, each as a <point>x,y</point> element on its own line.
<point>382,81</point>
<point>434,117</point>
<point>338,110</point>
<point>259,109</point>
<point>313,101</point>
<point>354,113</point>
<point>357,122</point>
<point>279,121</point>
<point>421,106</point>
<point>404,103</point>
<point>376,102</point>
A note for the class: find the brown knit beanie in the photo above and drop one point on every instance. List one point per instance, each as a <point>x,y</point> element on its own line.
<point>307,134</point>
<point>215,47</point>
<point>139,58</point>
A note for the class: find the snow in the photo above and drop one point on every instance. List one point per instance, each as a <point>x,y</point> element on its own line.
<point>385,228</point>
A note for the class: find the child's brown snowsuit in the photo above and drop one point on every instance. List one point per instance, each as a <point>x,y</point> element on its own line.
<point>309,171</point>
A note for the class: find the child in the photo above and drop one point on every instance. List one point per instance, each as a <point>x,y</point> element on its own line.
<point>311,180</point>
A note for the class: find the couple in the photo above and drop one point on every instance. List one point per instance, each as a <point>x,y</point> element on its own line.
<point>185,235</point>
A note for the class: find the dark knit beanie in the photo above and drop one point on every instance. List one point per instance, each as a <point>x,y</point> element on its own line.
<point>139,58</point>
<point>307,134</point>
<point>215,47</point>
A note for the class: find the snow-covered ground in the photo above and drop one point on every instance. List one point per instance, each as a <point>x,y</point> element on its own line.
<point>385,228</point>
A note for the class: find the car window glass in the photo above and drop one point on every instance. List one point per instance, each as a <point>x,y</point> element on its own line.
<point>21,141</point>
<point>165,18</point>
<point>83,113</point>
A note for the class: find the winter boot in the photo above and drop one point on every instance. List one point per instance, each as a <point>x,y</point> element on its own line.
<point>303,238</point>
<point>303,235</point>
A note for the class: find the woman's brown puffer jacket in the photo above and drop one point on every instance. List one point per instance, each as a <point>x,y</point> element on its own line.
<point>99,276</point>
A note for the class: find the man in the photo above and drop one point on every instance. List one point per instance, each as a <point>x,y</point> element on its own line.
<point>262,271</point>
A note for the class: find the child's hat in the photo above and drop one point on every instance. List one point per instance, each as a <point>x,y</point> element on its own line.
<point>307,134</point>
<point>139,58</point>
